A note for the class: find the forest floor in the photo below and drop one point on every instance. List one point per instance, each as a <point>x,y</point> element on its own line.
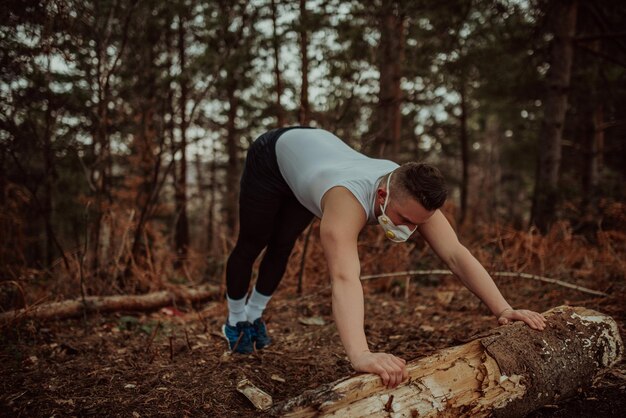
<point>174,362</point>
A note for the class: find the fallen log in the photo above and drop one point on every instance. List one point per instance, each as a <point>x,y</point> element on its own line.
<point>508,372</point>
<point>77,307</point>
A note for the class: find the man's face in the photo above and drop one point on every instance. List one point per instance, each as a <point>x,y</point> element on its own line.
<point>402,210</point>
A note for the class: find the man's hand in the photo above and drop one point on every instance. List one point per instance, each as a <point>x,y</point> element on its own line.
<point>390,368</point>
<point>532,319</point>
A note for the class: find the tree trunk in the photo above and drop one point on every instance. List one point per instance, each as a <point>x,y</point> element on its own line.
<point>594,146</point>
<point>280,111</point>
<point>492,173</point>
<point>212,236</point>
<point>50,174</point>
<point>596,151</point>
<point>304,116</point>
<point>546,192</point>
<point>232,173</point>
<point>199,193</point>
<point>182,224</point>
<point>464,151</point>
<point>509,372</point>
<point>102,155</point>
<point>75,308</point>
<point>390,56</point>
<point>99,177</point>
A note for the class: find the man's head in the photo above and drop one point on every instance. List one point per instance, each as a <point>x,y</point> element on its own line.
<point>422,182</point>
<point>416,190</point>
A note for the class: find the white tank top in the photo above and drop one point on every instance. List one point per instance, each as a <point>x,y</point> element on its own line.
<point>312,161</point>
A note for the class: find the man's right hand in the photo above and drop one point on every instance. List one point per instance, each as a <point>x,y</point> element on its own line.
<point>390,368</point>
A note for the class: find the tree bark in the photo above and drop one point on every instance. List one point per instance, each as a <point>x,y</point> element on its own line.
<point>390,56</point>
<point>182,223</point>
<point>232,173</point>
<point>76,308</point>
<point>280,111</point>
<point>101,171</point>
<point>304,112</point>
<point>464,150</point>
<point>509,372</point>
<point>546,192</point>
<point>596,153</point>
<point>212,236</point>
<point>492,172</point>
<point>594,146</point>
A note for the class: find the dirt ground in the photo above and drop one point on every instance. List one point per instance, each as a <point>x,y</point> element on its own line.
<point>174,362</point>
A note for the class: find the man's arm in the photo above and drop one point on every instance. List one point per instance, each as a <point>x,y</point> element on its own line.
<point>443,240</point>
<point>342,220</point>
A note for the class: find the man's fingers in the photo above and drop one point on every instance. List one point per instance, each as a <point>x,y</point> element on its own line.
<point>384,375</point>
<point>533,319</point>
<point>391,369</point>
<point>393,375</point>
<point>398,361</point>
<point>403,371</point>
<point>398,373</point>
<point>540,318</point>
<point>394,367</point>
<point>541,322</point>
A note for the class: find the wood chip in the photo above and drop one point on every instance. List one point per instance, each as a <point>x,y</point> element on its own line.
<point>313,320</point>
<point>444,297</point>
<point>278,378</point>
<point>427,328</point>
<point>261,400</point>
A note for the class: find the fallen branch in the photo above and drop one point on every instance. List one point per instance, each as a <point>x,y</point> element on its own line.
<point>91,304</point>
<point>497,273</point>
<point>510,372</point>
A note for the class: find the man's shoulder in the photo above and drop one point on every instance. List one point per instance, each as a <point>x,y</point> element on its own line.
<point>342,196</point>
<point>341,204</point>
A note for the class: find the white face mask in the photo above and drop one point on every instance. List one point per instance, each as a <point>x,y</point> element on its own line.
<point>399,233</point>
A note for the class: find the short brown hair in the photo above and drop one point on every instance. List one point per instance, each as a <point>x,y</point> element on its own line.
<point>423,182</point>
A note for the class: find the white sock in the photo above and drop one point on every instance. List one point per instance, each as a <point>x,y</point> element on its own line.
<point>256,305</point>
<point>236,310</point>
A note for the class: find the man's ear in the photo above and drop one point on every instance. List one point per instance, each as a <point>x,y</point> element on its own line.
<point>381,194</point>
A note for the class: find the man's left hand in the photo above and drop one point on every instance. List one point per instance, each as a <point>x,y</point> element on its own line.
<point>532,319</point>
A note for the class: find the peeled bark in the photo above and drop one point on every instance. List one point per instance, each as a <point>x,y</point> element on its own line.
<point>75,308</point>
<point>509,372</point>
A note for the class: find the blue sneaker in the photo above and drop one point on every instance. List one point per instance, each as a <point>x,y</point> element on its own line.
<point>260,336</point>
<point>239,337</point>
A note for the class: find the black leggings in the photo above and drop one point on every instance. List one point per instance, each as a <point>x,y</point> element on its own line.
<point>269,216</point>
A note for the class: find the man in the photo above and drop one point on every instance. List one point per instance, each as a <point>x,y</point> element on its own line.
<point>293,174</point>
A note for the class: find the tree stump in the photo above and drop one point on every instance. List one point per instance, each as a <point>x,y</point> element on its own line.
<point>507,372</point>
